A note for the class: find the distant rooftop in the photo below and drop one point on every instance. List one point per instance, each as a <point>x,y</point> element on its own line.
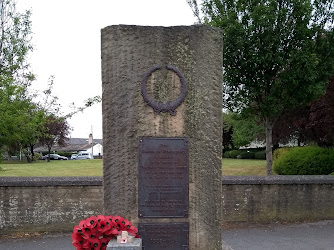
<point>82,141</point>
<point>73,144</point>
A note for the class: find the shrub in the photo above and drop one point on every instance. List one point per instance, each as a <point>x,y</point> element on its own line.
<point>280,152</point>
<point>261,155</point>
<point>66,154</point>
<point>247,155</point>
<point>37,156</point>
<point>235,153</point>
<point>305,161</point>
<point>227,154</point>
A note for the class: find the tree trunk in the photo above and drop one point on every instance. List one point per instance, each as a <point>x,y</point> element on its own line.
<point>27,153</point>
<point>269,144</point>
<point>48,158</point>
<point>32,151</point>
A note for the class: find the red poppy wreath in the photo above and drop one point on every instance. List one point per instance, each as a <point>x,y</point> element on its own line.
<point>96,232</point>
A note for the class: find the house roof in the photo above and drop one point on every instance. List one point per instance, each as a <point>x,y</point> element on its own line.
<point>82,141</point>
<point>73,144</point>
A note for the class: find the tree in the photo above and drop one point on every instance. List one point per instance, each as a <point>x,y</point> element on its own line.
<point>31,129</point>
<point>291,126</point>
<point>15,77</point>
<point>277,55</point>
<point>15,35</point>
<point>56,132</point>
<point>321,119</point>
<point>311,123</point>
<point>245,129</point>
<point>227,134</point>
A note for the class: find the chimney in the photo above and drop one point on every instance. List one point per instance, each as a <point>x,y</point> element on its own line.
<point>90,139</point>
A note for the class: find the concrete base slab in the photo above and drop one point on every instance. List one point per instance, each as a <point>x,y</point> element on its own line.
<point>136,244</point>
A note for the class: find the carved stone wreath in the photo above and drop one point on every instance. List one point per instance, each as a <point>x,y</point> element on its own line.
<point>170,106</point>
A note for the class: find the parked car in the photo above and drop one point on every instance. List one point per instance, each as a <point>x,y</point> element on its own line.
<point>54,157</point>
<point>83,156</point>
<point>73,156</point>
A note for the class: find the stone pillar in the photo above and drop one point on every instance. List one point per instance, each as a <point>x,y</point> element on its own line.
<point>128,53</point>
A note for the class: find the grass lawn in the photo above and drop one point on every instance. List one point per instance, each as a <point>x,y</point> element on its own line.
<point>94,168</point>
<point>243,167</point>
<point>52,168</point>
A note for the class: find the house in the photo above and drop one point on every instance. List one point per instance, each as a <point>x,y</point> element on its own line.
<point>74,145</point>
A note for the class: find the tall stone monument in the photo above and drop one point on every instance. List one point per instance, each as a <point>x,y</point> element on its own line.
<point>162,115</point>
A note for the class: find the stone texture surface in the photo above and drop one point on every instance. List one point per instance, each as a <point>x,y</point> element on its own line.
<point>127,53</point>
<point>278,179</point>
<point>47,208</point>
<point>51,208</point>
<point>49,181</point>
<point>263,203</point>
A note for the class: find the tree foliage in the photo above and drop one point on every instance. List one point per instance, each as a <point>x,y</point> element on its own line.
<point>56,130</point>
<point>15,29</point>
<point>15,77</point>
<point>311,123</point>
<point>243,129</point>
<point>277,54</point>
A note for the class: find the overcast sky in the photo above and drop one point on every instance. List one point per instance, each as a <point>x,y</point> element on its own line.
<point>66,37</point>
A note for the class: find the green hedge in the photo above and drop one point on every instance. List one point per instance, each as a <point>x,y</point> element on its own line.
<point>305,161</point>
<point>245,154</point>
<point>227,154</point>
<point>66,154</point>
<point>280,152</point>
<point>235,153</point>
<point>261,155</point>
<point>232,153</point>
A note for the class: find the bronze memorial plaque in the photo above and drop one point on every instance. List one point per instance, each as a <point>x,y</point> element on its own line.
<point>166,236</point>
<point>163,177</point>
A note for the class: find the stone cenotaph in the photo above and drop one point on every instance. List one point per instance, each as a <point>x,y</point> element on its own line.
<point>162,117</point>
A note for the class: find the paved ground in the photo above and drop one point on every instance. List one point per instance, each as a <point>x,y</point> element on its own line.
<point>306,236</point>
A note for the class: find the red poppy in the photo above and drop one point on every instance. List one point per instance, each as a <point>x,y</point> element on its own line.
<point>86,244</point>
<point>104,242</point>
<point>95,244</point>
<point>132,229</point>
<point>100,217</point>
<point>102,226</point>
<point>125,222</point>
<point>119,221</point>
<point>108,224</point>
<point>137,236</point>
<point>117,218</point>
<point>91,222</point>
<point>86,232</point>
<point>76,236</point>
<point>99,235</point>
<point>89,235</point>
<point>113,229</point>
<point>82,224</point>
<point>110,218</point>
<point>77,229</point>
<point>77,240</point>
